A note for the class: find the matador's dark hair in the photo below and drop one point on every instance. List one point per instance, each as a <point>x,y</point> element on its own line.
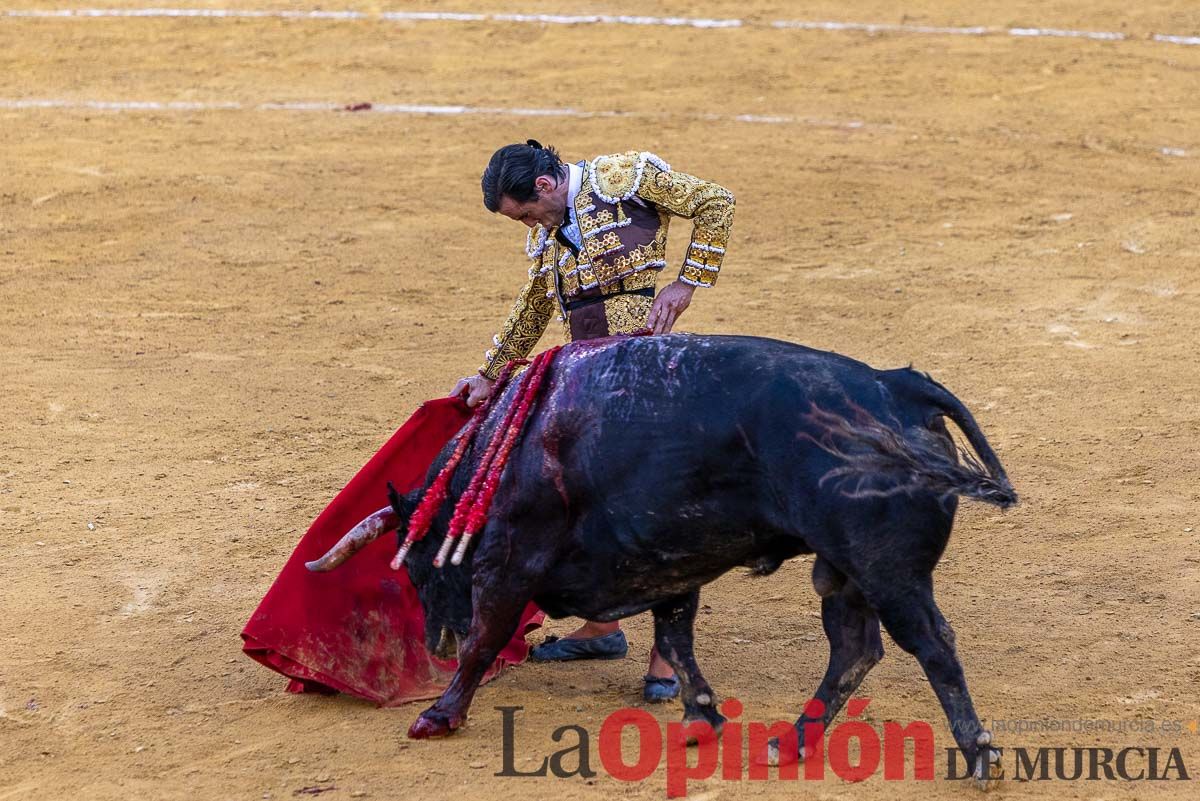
<point>514,168</point>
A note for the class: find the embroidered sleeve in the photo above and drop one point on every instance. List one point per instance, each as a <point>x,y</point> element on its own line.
<point>710,208</point>
<point>525,325</point>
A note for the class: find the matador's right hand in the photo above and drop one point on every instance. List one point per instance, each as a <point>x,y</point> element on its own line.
<point>475,387</point>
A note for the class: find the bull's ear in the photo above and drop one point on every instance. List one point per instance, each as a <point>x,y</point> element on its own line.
<point>402,505</point>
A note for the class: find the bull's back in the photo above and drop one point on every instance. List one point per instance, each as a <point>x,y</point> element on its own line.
<point>697,433</point>
<point>704,383</point>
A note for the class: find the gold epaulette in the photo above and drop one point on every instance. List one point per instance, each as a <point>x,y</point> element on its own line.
<point>617,177</point>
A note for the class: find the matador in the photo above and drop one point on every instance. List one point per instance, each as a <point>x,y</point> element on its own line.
<point>597,243</point>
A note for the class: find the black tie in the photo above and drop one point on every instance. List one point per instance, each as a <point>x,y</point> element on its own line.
<point>562,238</point>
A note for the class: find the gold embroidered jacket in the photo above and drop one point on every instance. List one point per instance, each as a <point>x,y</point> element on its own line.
<point>623,208</point>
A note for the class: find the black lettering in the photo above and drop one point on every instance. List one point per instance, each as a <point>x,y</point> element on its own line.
<point>1122,771</point>
<point>582,764</point>
<point>1060,759</point>
<point>1095,763</point>
<point>1025,769</point>
<point>1175,760</point>
<point>508,745</point>
<point>952,764</point>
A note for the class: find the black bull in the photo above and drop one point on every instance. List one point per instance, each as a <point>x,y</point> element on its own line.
<point>653,465</point>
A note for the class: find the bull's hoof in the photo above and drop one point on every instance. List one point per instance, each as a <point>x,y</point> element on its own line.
<point>987,775</point>
<point>711,717</point>
<point>433,724</point>
<point>775,757</point>
<point>715,723</point>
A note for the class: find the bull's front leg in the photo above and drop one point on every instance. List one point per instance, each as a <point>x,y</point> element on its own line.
<point>495,617</point>
<point>674,621</point>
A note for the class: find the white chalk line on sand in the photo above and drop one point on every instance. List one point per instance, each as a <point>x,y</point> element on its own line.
<point>588,19</point>
<point>35,103</point>
<point>398,16</point>
<point>17,104</point>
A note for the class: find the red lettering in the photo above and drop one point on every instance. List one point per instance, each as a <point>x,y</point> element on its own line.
<point>814,740</point>
<point>789,745</point>
<point>868,745</point>
<point>894,735</point>
<point>649,751</point>
<point>731,741</point>
<point>678,770</point>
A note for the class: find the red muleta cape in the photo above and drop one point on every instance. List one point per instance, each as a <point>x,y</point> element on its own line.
<point>360,629</point>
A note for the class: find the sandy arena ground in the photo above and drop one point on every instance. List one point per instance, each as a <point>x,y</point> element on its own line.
<point>210,319</point>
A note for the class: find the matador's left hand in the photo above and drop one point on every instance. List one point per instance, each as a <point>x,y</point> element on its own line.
<point>669,304</point>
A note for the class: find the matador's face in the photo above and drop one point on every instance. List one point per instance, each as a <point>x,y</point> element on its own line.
<point>548,208</point>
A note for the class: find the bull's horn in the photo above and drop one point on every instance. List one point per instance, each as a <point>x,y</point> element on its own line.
<point>370,528</point>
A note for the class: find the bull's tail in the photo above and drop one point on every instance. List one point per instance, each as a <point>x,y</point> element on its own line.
<point>952,407</point>
<point>881,460</point>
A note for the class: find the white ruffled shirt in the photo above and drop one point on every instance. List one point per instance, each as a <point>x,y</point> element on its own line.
<point>571,229</point>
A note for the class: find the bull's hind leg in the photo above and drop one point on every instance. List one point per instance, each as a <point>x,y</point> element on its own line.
<point>852,628</point>
<point>673,634</point>
<point>497,613</point>
<point>911,616</point>
<point>855,647</point>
